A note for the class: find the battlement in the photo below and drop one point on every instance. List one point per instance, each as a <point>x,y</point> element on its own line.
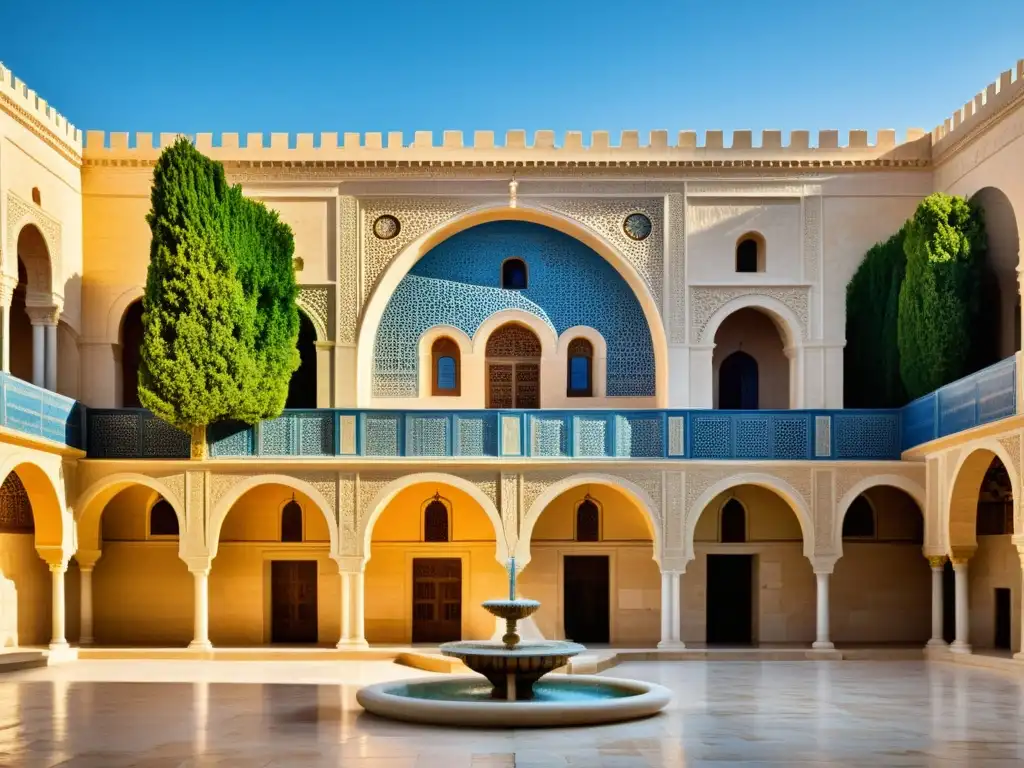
<point>997,98</point>
<point>28,108</point>
<point>483,148</point>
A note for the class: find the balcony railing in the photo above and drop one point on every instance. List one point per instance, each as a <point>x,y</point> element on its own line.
<point>38,412</point>
<point>591,434</point>
<point>983,397</point>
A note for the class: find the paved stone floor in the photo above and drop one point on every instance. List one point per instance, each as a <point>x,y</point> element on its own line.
<point>106,714</point>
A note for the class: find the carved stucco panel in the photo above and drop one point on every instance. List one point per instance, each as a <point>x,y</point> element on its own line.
<point>220,484</point>
<point>752,190</point>
<point>348,269</point>
<point>511,519</point>
<point>370,486</point>
<point>675,511</point>
<point>315,301</point>
<point>824,512</point>
<point>176,485</point>
<point>650,482</point>
<point>801,481</point>
<point>1012,446</point>
<point>705,301</point>
<point>326,484</point>
<point>812,238</point>
<point>676,298</point>
<point>197,511</point>
<point>349,542</point>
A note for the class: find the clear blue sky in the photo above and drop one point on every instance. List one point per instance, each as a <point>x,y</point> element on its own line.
<point>410,65</point>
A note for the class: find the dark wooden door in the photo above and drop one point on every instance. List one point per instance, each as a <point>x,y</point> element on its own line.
<point>730,599</point>
<point>293,608</point>
<point>1003,611</point>
<point>948,603</point>
<point>586,598</point>
<point>436,600</point>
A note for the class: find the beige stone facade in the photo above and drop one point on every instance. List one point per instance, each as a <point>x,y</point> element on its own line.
<point>656,540</point>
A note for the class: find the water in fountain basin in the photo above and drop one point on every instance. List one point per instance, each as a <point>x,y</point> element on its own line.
<point>557,691</point>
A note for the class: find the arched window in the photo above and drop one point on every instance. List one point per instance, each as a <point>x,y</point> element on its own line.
<point>737,382</point>
<point>750,253</point>
<point>446,364</point>
<point>733,529</point>
<point>859,522</point>
<point>162,520</point>
<point>580,369</point>
<point>435,520</point>
<point>513,274</point>
<point>37,196</point>
<point>588,521</point>
<point>15,508</point>
<point>303,384</point>
<point>291,522</point>
<point>131,350</point>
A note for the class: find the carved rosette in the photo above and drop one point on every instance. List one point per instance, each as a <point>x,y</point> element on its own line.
<point>315,302</point>
<point>705,301</point>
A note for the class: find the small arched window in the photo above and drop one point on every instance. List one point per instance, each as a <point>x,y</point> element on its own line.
<point>733,529</point>
<point>435,521</point>
<point>446,366</point>
<point>580,369</point>
<point>291,522</point>
<point>162,520</point>
<point>513,274</point>
<point>859,522</point>
<point>588,521</point>
<point>750,253</point>
<point>37,197</point>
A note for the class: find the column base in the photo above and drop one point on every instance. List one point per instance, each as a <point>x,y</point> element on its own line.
<point>59,645</point>
<point>200,645</point>
<point>820,645</point>
<point>671,645</point>
<point>84,641</point>
<point>352,643</point>
<point>1019,656</point>
<point>936,642</point>
<point>958,646</point>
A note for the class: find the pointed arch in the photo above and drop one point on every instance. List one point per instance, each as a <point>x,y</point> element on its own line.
<point>909,487</point>
<point>631,490</point>
<point>959,512</point>
<point>414,251</point>
<point>226,502</point>
<point>92,502</point>
<point>384,497</point>
<point>790,327</point>
<point>780,487</point>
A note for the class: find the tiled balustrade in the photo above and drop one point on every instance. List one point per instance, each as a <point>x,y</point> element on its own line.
<point>38,412</point>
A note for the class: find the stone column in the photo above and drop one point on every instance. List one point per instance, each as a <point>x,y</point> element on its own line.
<point>50,372</point>
<point>38,355</point>
<point>346,619</point>
<point>352,588</point>
<point>44,345</point>
<point>7,286</point>
<point>57,640</point>
<point>201,610</point>
<point>963,618</point>
<point>938,564</point>
<point>1020,654</point>
<point>358,625</point>
<point>822,642</point>
<point>85,633</point>
<point>671,614</point>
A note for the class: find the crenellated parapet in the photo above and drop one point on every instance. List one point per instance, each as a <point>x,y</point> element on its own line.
<point>32,111</point>
<point>986,107</point>
<point>629,148</point>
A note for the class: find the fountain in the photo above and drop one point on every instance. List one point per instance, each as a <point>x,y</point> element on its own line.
<point>514,695</point>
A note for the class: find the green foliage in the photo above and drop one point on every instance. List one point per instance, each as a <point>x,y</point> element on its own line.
<point>871,370</point>
<point>939,308</point>
<point>219,316</point>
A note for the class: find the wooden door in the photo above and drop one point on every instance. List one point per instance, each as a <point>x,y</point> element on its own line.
<point>436,600</point>
<point>527,385</point>
<point>500,390</point>
<point>293,606</point>
<point>586,599</point>
<point>730,599</point>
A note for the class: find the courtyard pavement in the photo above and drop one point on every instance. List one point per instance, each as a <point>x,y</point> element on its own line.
<point>165,714</point>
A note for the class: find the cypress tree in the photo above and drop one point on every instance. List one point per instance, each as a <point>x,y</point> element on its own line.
<point>216,308</point>
<point>939,302</point>
<point>871,370</point>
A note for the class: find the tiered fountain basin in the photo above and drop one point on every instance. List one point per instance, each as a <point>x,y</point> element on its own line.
<point>516,690</point>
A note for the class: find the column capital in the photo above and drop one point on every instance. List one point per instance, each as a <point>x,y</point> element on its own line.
<point>7,286</point>
<point>86,558</point>
<point>959,562</point>
<point>349,564</point>
<point>43,315</point>
<point>199,565</point>
<point>937,561</point>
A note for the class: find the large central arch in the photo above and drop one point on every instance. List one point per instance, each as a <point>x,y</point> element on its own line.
<point>412,253</point>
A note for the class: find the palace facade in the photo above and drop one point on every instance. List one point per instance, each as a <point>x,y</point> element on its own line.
<point>619,361</point>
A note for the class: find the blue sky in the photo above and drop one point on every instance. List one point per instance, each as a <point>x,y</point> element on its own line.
<point>563,65</point>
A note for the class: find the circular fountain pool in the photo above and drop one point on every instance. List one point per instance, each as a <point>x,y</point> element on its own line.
<point>558,700</point>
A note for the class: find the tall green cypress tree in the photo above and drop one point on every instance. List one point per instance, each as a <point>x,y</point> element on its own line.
<point>214,343</point>
<point>939,301</point>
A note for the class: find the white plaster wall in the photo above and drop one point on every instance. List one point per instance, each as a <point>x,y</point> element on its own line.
<point>714,225</point>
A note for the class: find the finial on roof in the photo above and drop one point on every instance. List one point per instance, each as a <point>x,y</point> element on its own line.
<point>513,186</point>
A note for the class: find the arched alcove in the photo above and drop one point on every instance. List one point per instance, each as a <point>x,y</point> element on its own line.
<point>1001,304</point>
<point>749,348</point>
<point>512,357</point>
<point>131,354</point>
<point>303,385</point>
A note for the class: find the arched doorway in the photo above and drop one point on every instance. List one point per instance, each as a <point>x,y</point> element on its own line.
<point>33,315</point>
<point>881,586</point>
<point>737,382</point>
<point>131,354</point>
<point>513,367</point>
<point>431,564</point>
<point>303,385</point>
<point>592,568</point>
<point>1001,305</point>
<point>273,580</point>
<point>750,366</point>
<point>758,589</point>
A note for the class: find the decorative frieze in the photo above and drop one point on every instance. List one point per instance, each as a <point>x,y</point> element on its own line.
<point>676,243</point>
<point>705,301</point>
<point>348,269</point>
<point>812,238</point>
<point>315,301</point>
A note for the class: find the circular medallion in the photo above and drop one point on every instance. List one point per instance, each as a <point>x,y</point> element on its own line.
<point>637,226</point>
<point>386,227</point>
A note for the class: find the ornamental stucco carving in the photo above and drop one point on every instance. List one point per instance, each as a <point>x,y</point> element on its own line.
<point>536,483</point>
<point>348,269</point>
<point>196,512</point>
<point>676,298</point>
<point>42,277</point>
<point>175,484</point>
<point>705,301</point>
<point>315,301</point>
<point>1012,446</point>
<point>753,189</point>
<point>675,511</point>
<point>509,508</point>
<point>812,238</point>
<point>349,541</point>
<point>370,487</point>
<point>824,511</point>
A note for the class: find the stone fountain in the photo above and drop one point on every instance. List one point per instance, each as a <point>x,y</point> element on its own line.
<point>516,695</point>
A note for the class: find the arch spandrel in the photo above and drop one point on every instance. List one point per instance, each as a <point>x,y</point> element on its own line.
<point>960,505</point>
<point>866,482</point>
<point>91,503</point>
